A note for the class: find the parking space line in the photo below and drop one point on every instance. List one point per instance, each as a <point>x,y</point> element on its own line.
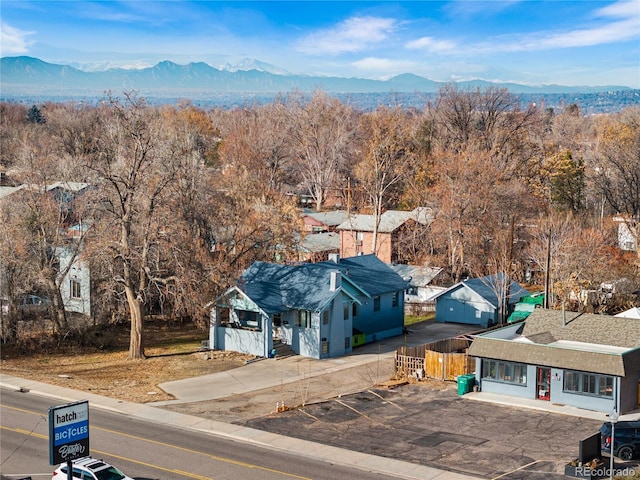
<point>355,410</point>
<point>386,400</point>
<point>517,469</point>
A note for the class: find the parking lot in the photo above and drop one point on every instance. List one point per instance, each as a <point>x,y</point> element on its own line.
<point>430,424</point>
<point>426,422</point>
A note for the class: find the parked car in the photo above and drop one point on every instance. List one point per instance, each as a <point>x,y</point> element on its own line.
<point>32,305</point>
<point>89,468</point>
<point>626,442</point>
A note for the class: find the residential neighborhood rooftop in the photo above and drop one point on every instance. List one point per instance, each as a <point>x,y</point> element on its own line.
<point>331,218</point>
<point>390,220</point>
<point>277,288</point>
<point>417,275</point>
<point>321,242</point>
<point>584,327</point>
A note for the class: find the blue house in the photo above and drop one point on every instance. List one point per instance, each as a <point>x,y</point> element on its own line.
<point>477,301</point>
<point>319,310</point>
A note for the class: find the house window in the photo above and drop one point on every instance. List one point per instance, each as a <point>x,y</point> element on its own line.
<point>325,347</point>
<point>303,319</point>
<point>395,300</point>
<point>588,384</point>
<point>507,372</point>
<point>325,317</point>
<point>354,310</point>
<point>347,343</point>
<point>376,303</point>
<point>345,311</point>
<point>277,320</point>
<point>75,289</point>
<point>249,319</point>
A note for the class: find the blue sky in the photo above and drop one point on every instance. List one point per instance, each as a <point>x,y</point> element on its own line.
<point>582,42</point>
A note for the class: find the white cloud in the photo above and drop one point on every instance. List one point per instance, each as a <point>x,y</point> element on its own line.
<point>375,64</point>
<point>622,24</point>
<point>432,45</point>
<point>618,22</point>
<point>625,9</point>
<point>14,41</point>
<point>353,35</point>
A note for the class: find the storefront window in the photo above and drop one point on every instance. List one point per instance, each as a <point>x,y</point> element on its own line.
<point>588,384</point>
<point>507,372</point>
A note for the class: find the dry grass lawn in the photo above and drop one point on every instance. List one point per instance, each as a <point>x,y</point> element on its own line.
<point>172,352</point>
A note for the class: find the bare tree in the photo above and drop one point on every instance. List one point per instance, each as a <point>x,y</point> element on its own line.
<point>387,159</point>
<point>573,255</point>
<point>135,169</point>
<point>617,167</point>
<point>322,133</point>
<point>257,145</point>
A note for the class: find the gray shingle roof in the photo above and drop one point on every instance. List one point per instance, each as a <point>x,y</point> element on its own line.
<point>277,288</point>
<point>572,341</point>
<point>553,356</point>
<point>584,327</point>
<point>332,218</point>
<point>488,287</point>
<point>321,242</point>
<point>371,274</point>
<point>390,220</point>
<point>419,276</point>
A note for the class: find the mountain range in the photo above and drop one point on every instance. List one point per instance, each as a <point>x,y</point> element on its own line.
<point>31,76</point>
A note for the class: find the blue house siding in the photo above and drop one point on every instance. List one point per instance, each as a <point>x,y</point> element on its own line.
<point>310,307</point>
<point>476,301</point>
<point>465,306</point>
<point>388,321</point>
<point>335,332</point>
<point>307,338</point>
<point>243,341</point>
<point>557,394</point>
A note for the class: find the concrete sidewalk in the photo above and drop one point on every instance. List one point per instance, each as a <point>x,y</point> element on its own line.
<point>274,372</point>
<point>317,451</point>
<point>270,373</point>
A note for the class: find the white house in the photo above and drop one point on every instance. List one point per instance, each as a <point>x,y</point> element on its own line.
<point>75,287</point>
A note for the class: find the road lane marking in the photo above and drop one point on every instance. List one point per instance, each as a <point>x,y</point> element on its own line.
<point>113,455</point>
<point>156,442</point>
<point>25,432</point>
<point>197,452</point>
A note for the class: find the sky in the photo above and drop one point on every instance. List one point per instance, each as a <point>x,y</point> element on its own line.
<point>581,42</point>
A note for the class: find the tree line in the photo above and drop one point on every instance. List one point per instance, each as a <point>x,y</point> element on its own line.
<point>182,199</point>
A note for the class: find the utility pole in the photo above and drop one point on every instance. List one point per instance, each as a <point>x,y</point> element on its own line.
<point>547,274</point>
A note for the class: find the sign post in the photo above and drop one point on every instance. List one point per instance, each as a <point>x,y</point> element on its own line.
<point>68,434</point>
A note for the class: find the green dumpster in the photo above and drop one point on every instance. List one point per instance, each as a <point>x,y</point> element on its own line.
<point>466,383</point>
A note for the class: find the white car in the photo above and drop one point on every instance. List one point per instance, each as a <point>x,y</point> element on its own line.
<point>90,469</point>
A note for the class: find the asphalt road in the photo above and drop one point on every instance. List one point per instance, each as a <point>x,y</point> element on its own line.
<point>147,451</point>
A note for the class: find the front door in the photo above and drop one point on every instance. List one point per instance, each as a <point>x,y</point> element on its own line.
<point>544,383</point>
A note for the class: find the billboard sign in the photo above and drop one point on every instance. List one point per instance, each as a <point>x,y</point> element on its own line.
<point>68,432</point>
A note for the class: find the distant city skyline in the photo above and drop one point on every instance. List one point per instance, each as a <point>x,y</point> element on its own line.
<point>571,43</point>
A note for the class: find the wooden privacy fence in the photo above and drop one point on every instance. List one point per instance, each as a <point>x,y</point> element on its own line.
<point>442,360</point>
<point>419,308</point>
